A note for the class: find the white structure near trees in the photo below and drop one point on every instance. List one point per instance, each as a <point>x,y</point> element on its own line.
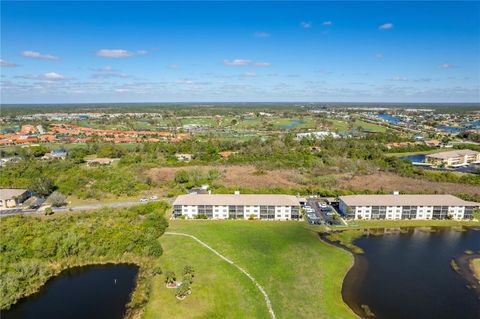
<point>237,206</point>
<point>395,207</point>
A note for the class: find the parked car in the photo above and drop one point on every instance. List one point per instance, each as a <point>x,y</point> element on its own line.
<point>154,197</point>
<point>143,200</point>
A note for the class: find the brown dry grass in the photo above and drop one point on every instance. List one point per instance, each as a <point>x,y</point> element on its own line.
<point>236,176</point>
<point>390,182</point>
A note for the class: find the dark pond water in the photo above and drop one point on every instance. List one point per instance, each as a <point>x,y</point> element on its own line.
<point>100,291</point>
<point>419,158</point>
<point>409,276</point>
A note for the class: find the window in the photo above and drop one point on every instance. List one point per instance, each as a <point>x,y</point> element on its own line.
<point>177,211</point>
<point>295,212</point>
<point>235,212</point>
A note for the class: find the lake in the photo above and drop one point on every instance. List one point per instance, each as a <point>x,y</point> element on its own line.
<point>388,118</point>
<point>293,124</point>
<point>419,158</point>
<point>408,275</point>
<point>99,291</point>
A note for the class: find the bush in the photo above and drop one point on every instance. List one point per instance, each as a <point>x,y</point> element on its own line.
<point>48,211</point>
<point>183,289</point>
<point>182,176</point>
<point>58,199</point>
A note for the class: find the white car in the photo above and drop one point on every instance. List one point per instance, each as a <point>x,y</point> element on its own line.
<point>143,200</point>
<point>154,197</point>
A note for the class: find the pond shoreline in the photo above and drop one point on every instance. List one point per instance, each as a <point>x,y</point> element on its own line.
<point>114,282</point>
<point>131,311</point>
<point>357,272</point>
<point>464,264</point>
<point>352,278</point>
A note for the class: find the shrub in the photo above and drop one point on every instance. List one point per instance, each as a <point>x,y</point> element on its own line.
<point>58,199</point>
<point>183,289</point>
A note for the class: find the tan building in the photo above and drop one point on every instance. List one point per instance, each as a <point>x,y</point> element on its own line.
<point>11,197</point>
<point>395,207</point>
<point>237,206</point>
<point>454,158</point>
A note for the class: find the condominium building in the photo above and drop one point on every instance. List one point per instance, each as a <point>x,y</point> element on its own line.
<point>237,206</point>
<point>454,158</point>
<point>395,207</point>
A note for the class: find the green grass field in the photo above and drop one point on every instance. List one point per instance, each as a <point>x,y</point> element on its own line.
<point>302,275</point>
<point>344,127</point>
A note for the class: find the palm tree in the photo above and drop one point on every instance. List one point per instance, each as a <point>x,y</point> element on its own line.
<point>170,278</point>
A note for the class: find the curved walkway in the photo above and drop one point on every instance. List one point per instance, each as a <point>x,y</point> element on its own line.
<point>267,300</point>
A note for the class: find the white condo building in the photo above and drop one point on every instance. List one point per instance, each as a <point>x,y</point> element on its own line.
<point>237,206</point>
<point>395,207</point>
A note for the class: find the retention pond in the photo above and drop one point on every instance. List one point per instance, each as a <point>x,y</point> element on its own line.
<point>100,291</point>
<point>414,273</point>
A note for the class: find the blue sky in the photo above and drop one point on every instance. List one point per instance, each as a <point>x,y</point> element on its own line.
<point>55,52</point>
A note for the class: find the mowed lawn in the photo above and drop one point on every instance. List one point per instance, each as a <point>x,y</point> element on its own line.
<point>301,274</point>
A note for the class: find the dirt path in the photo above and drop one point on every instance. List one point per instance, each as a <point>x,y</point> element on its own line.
<point>267,299</point>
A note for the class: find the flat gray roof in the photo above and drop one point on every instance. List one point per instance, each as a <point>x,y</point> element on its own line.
<point>405,200</point>
<point>237,199</point>
<point>9,193</point>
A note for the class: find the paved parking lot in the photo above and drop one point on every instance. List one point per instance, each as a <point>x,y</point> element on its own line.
<point>324,215</point>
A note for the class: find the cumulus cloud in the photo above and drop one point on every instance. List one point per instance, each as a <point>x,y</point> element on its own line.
<point>104,68</point>
<point>447,66</point>
<point>184,81</point>
<point>327,23</point>
<point>7,64</point>
<point>249,74</point>
<point>118,53</point>
<point>243,62</point>
<point>237,62</point>
<point>306,25</point>
<point>399,78</point>
<point>262,64</point>
<point>49,76</point>
<point>386,26</point>
<point>109,75</point>
<point>38,55</point>
<point>261,35</point>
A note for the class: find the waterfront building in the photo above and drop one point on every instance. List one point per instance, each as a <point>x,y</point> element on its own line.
<point>237,206</point>
<point>396,207</point>
<point>454,158</point>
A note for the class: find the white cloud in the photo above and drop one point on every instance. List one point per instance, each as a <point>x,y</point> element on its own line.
<point>184,81</point>
<point>7,64</point>
<point>386,26</point>
<point>243,62</point>
<point>447,66</point>
<point>118,53</point>
<point>49,76</point>
<point>399,78</point>
<point>237,62</point>
<point>174,66</point>
<point>379,55</point>
<point>249,74</point>
<point>261,35</point>
<point>38,55</point>
<point>327,23</point>
<point>109,75</point>
<point>262,64</point>
<point>104,68</point>
<point>306,25</point>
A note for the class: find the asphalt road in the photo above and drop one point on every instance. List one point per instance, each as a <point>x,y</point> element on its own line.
<point>17,211</point>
